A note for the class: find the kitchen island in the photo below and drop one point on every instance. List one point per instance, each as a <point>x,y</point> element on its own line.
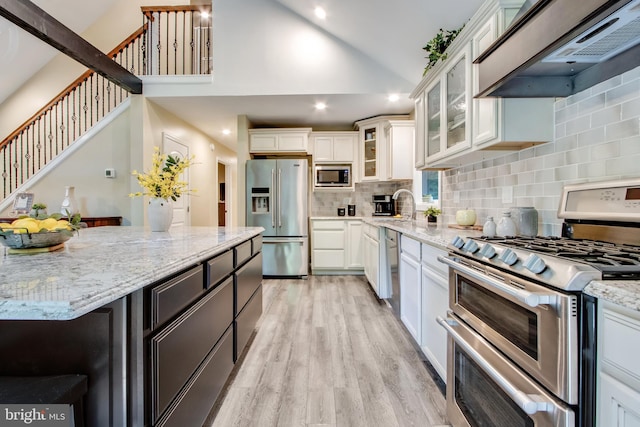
<point>156,320</point>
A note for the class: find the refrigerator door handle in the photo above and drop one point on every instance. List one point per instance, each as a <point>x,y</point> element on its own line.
<point>273,208</point>
<point>268,241</point>
<point>279,195</point>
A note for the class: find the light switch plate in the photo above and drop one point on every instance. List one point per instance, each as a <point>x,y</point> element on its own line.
<point>507,194</point>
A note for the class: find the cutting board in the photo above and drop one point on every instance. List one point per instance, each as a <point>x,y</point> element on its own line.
<point>36,250</point>
<point>465,227</point>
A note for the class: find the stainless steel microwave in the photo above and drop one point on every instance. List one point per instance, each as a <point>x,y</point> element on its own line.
<point>333,175</point>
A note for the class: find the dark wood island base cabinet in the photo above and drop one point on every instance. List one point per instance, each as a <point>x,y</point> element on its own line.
<point>197,324</point>
<point>157,357</point>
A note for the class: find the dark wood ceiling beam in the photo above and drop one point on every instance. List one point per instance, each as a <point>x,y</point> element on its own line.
<point>36,21</point>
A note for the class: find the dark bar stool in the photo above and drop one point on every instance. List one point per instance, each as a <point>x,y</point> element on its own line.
<point>63,389</point>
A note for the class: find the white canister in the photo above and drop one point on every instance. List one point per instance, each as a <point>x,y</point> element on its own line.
<point>489,227</point>
<point>526,220</point>
<point>506,227</point>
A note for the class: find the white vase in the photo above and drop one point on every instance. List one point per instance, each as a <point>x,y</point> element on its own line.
<point>69,205</point>
<point>160,214</point>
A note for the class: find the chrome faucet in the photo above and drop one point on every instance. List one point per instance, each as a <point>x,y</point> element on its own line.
<point>413,200</point>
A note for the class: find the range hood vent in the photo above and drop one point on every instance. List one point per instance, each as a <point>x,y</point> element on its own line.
<point>569,47</point>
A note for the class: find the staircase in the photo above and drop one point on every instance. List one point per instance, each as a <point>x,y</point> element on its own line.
<point>173,40</point>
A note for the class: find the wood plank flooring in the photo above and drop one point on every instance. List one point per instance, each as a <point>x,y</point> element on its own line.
<point>328,353</point>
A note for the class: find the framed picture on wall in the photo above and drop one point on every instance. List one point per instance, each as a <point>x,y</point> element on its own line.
<point>22,203</point>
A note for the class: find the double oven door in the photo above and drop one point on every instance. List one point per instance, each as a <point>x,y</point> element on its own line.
<point>513,350</point>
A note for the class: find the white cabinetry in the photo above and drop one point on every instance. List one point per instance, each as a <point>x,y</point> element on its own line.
<point>420,125</point>
<point>618,373</point>
<point>410,286</point>
<point>334,147</point>
<point>288,140</point>
<point>435,302</point>
<point>380,142</point>
<point>454,128</point>
<point>336,246</point>
<point>399,140</point>
<point>371,255</point>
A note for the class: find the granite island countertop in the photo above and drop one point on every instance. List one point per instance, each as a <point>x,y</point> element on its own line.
<point>102,264</point>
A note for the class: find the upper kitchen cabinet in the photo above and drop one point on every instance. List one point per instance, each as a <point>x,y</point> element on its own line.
<point>385,148</point>
<point>453,127</point>
<point>286,140</point>
<point>334,147</point>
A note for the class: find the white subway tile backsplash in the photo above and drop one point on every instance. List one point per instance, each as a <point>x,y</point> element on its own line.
<point>607,85</point>
<point>623,93</point>
<point>593,169</point>
<point>606,150</point>
<point>627,166</point>
<point>630,109</point>
<point>566,173</point>
<point>623,129</point>
<point>591,136</point>
<point>578,155</point>
<point>578,125</point>
<point>554,160</point>
<point>631,75</point>
<point>606,115</point>
<point>591,104</point>
<point>630,146</point>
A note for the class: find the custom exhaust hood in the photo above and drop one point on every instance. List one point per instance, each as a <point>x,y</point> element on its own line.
<point>561,47</point>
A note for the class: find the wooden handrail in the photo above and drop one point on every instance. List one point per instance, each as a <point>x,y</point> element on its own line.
<point>184,8</point>
<point>66,91</point>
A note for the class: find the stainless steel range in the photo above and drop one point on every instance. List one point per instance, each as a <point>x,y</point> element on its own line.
<point>522,334</point>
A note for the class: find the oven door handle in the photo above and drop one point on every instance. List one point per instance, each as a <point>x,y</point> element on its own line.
<point>532,299</point>
<point>529,403</point>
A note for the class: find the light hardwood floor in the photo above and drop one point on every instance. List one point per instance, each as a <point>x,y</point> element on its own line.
<point>328,353</point>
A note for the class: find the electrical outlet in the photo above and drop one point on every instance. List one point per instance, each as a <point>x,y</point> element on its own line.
<point>507,194</point>
<point>110,173</point>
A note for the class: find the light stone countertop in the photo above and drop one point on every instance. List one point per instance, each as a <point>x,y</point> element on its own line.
<point>102,264</point>
<point>622,292</point>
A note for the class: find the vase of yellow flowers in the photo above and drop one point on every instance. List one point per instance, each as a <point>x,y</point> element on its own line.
<point>164,185</point>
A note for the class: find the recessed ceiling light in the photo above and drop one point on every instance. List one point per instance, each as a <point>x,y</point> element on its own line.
<point>394,97</point>
<point>320,105</point>
<point>226,131</point>
<point>320,13</point>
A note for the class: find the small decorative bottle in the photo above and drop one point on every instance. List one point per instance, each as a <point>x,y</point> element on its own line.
<point>506,226</point>
<point>489,227</point>
<point>69,206</point>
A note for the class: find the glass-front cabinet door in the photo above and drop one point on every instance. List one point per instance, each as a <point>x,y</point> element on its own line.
<point>456,103</point>
<point>433,120</point>
<point>370,159</point>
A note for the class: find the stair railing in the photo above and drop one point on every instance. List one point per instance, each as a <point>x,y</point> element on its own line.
<point>173,40</point>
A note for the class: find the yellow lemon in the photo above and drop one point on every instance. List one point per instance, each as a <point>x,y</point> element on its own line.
<point>62,224</point>
<point>49,223</point>
<point>30,224</point>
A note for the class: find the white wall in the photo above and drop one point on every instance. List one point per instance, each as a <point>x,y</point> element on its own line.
<point>597,137</point>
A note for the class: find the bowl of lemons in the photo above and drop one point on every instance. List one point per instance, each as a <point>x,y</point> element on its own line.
<point>28,232</point>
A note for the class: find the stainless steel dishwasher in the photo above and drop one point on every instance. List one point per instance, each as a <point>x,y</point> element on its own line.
<point>392,257</point>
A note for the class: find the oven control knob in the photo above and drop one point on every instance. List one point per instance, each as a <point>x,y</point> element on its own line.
<point>508,257</point>
<point>534,264</point>
<point>487,251</point>
<point>457,242</point>
<point>471,246</point>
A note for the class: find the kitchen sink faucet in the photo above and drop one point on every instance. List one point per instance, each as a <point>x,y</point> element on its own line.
<point>413,200</point>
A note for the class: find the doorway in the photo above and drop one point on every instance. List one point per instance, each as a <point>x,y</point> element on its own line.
<point>222,195</point>
<point>174,147</point>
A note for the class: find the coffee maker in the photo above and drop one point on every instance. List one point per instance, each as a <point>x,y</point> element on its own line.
<point>383,205</point>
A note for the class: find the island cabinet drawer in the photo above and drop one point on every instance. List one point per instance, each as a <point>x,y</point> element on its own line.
<point>242,252</point>
<point>167,299</point>
<point>256,244</point>
<point>194,403</point>
<point>219,267</point>
<point>246,321</point>
<point>180,348</point>
<point>248,278</point>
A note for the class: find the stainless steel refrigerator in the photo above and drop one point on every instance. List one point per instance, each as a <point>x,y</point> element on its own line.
<point>277,201</point>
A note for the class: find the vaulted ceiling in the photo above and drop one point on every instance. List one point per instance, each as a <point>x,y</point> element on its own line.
<point>375,47</point>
